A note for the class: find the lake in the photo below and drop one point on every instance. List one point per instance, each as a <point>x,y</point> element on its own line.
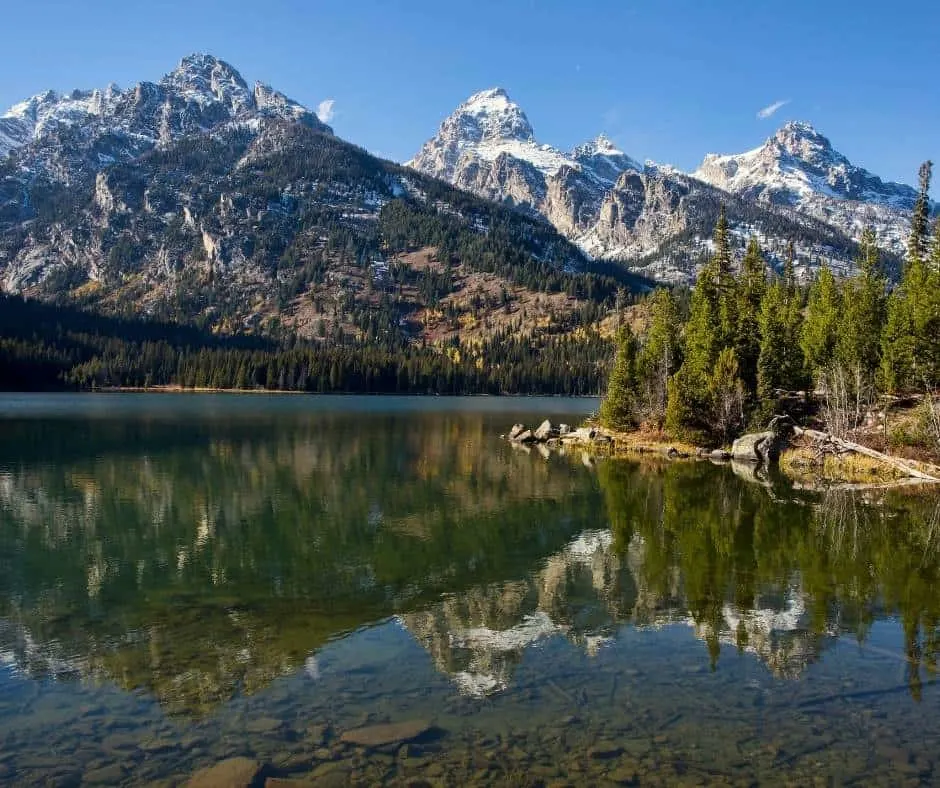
<point>366,591</point>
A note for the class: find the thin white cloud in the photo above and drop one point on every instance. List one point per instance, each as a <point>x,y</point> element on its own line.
<point>325,110</point>
<point>768,111</point>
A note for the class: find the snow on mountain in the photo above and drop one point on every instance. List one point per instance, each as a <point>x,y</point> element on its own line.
<point>488,146</point>
<point>604,159</point>
<point>486,126</point>
<point>799,168</point>
<point>652,217</point>
<point>62,136</point>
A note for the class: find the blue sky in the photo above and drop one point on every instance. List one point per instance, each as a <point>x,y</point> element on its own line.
<point>666,79</point>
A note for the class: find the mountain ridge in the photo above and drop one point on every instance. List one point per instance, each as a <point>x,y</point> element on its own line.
<point>798,167</point>
<point>612,207</point>
<point>249,216</point>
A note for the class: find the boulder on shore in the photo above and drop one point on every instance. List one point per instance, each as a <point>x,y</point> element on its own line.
<point>516,431</point>
<point>580,434</point>
<point>762,448</point>
<point>545,430</point>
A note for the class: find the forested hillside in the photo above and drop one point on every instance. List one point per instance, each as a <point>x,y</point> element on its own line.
<point>44,347</point>
<point>736,353</point>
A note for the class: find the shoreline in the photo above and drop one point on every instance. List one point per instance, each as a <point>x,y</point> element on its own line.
<point>799,462</point>
<point>208,390</point>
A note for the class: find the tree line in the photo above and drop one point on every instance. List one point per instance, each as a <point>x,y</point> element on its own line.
<point>46,347</point>
<point>705,371</point>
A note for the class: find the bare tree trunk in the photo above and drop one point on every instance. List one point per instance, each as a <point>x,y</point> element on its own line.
<point>847,446</point>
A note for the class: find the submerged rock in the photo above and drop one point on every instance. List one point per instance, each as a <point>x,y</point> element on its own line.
<point>230,773</point>
<point>382,735</point>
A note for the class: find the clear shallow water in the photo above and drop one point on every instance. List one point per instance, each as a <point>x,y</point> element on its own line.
<point>189,578</point>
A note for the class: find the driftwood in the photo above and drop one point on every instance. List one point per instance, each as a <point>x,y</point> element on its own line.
<point>839,446</point>
<point>859,487</point>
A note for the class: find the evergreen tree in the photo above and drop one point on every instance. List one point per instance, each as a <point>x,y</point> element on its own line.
<point>660,356</point>
<point>911,341</point>
<point>789,271</point>
<point>772,364</point>
<point>618,410</point>
<point>917,246</point>
<point>794,375</point>
<point>725,283</point>
<point>726,393</point>
<point>820,326</point>
<point>688,397</point>
<point>750,294</point>
<point>935,248</point>
<point>863,312</point>
<point>723,263</point>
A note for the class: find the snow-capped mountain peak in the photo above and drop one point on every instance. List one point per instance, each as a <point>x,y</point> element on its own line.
<point>490,115</point>
<point>601,145</point>
<point>485,127</point>
<point>204,78</point>
<point>799,168</point>
<point>603,159</point>
<point>68,138</point>
<point>801,140</point>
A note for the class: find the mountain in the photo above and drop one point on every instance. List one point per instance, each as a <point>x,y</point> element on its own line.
<point>799,168</point>
<point>488,146</point>
<point>109,125</point>
<point>655,219</point>
<point>198,199</point>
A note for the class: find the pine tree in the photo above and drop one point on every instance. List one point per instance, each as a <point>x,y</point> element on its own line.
<point>917,246</point>
<point>772,362</point>
<point>935,248</point>
<point>820,326</point>
<point>750,294</point>
<point>688,399</point>
<point>618,410</point>
<point>723,263</point>
<point>863,312</point>
<point>789,271</point>
<point>910,344</point>
<point>660,355</point>
<point>726,392</point>
<point>725,282</point>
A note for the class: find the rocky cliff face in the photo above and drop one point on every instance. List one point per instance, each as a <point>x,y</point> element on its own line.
<point>201,198</point>
<point>799,168</point>
<point>658,220</point>
<point>112,124</point>
<point>488,146</point>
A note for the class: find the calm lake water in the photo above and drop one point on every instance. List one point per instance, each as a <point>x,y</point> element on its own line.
<point>185,579</point>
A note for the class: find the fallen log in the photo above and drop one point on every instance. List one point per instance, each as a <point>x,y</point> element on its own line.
<point>847,446</point>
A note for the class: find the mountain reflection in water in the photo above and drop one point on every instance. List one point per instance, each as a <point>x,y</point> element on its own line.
<point>198,561</point>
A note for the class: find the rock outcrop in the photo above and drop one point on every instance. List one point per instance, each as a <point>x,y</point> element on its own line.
<point>764,448</point>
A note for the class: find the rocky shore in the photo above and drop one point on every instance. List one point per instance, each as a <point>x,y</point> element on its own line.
<point>807,457</point>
